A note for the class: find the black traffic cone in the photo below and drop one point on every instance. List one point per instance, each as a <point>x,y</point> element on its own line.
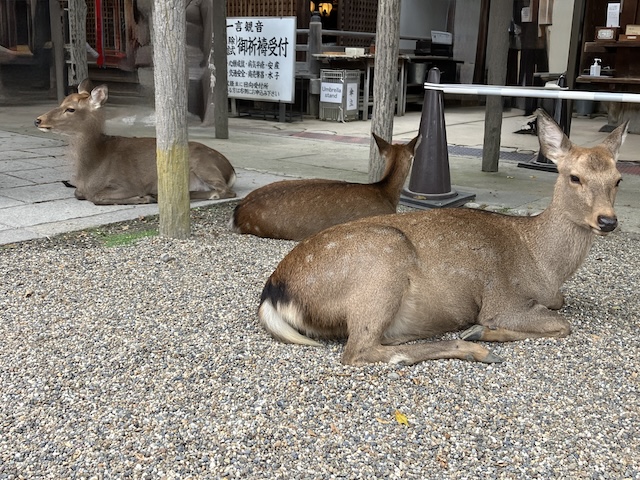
<point>430,181</point>
<point>560,112</point>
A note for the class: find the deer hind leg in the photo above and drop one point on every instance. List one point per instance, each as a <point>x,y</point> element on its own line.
<point>211,188</point>
<point>536,321</point>
<point>364,343</point>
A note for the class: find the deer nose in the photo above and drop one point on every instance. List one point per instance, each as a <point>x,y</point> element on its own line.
<point>37,122</point>
<point>607,224</point>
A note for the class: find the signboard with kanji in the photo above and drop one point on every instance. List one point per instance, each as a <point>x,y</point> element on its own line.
<point>261,58</point>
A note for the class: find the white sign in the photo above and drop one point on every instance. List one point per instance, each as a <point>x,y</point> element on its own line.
<point>331,92</point>
<point>613,14</point>
<point>352,96</point>
<point>261,58</point>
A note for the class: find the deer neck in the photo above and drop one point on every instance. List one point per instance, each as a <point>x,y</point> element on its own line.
<point>393,179</point>
<point>88,143</point>
<point>559,245</point>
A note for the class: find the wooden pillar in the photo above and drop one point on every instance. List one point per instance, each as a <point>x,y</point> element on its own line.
<point>497,53</point>
<point>575,49</point>
<point>170,78</point>
<point>385,81</point>
<point>57,38</point>
<point>216,93</point>
<point>79,68</point>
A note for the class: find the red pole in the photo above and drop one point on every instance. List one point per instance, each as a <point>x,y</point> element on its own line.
<point>99,39</point>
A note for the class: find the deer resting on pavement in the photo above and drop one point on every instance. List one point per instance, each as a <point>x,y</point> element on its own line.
<point>388,280</point>
<point>122,170</point>
<point>296,209</point>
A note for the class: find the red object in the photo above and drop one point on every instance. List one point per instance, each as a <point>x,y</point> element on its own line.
<point>99,39</point>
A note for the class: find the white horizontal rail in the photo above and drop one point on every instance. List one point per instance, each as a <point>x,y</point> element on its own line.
<point>533,92</point>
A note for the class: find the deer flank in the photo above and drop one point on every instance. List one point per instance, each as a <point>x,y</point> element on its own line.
<point>384,281</point>
<point>122,170</point>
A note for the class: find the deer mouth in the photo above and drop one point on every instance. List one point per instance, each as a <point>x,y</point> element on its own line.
<point>38,124</point>
<point>599,232</point>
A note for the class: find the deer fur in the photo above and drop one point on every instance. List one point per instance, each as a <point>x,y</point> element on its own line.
<point>387,280</point>
<point>122,170</point>
<point>296,209</point>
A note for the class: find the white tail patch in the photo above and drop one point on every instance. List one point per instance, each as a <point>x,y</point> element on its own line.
<point>277,326</point>
<point>231,225</point>
<point>232,180</point>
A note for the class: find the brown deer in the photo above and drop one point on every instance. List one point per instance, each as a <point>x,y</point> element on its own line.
<point>122,170</point>
<point>296,209</point>
<point>388,280</point>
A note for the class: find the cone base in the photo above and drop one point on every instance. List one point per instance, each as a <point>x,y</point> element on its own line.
<point>541,163</point>
<point>427,201</point>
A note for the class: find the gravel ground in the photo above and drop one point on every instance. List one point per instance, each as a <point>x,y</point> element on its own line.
<point>146,360</point>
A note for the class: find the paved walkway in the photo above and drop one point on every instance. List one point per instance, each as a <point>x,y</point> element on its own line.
<point>34,202</point>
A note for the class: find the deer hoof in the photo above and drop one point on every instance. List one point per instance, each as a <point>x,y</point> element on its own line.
<point>492,358</point>
<point>473,333</point>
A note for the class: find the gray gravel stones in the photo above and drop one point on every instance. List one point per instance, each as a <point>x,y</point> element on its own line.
<point>147,361</point>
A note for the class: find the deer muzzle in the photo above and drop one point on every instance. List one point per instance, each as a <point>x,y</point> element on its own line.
<point>607,224</point>
<point>38,123</point>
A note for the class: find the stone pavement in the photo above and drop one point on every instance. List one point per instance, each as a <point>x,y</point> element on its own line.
<point>34,202</point>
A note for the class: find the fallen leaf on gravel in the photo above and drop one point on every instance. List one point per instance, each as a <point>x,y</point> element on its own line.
<point>401,418</point>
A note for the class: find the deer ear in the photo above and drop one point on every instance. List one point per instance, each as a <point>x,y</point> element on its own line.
<point>85,86</point>
<point>554,144</point>
<point>381,142</point>
<point>616,138</point>
<point>99,96</point>
<point>414,144</point>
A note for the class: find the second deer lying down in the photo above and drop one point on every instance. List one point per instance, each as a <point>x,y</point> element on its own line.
<point>122,170</point>
<point>388,280</point>
<point>296,209</point>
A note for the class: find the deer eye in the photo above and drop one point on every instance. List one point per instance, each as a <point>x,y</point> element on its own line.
<point>70,110</point>
<point>575,179</point>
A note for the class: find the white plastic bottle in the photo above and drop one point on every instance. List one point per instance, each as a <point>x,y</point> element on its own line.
<point>594,71</point>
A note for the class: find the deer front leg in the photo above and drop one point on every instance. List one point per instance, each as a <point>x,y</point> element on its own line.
<point>113,200</point>
<point>558,301</point>
<point>536,321</point>
<point>366,331</point>
<point>356,354</point>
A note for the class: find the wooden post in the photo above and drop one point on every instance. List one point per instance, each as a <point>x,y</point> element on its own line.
<point>497,52</point>
<point>57,38</point>
<point>79,68</point>
<point>214,13</point>
<point>170,78</point>
<point>575,48</point>
<point>314,45</point>
<point>385,80</point>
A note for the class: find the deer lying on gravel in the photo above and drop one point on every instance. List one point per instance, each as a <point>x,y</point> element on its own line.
<point>388,280</point>
<point>122,170</point>
<point>296,209</point>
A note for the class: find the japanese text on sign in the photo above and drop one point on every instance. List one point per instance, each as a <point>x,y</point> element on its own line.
<point>261,58</point>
